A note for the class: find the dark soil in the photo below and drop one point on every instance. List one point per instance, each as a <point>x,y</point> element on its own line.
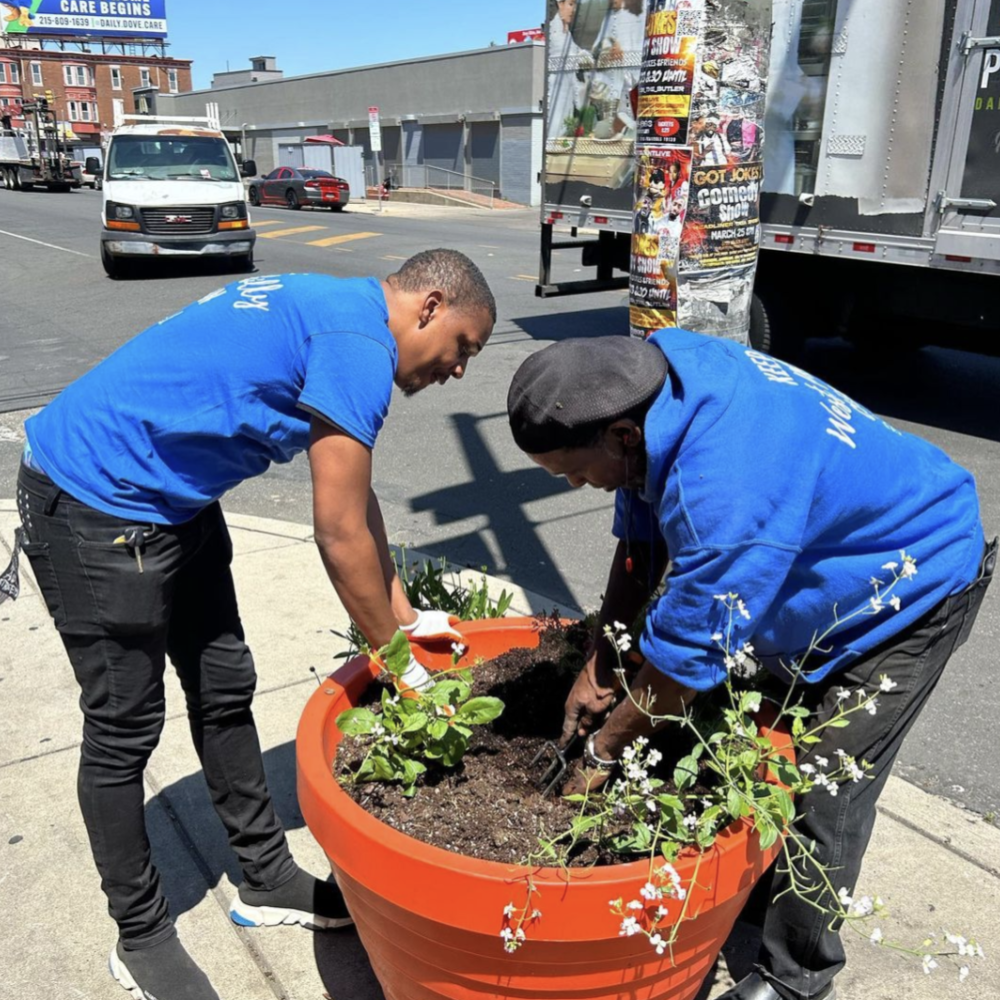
<point>488,807</point>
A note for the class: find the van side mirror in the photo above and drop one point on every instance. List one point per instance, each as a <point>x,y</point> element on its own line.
<point>92,165</point>
<point>249,168</point>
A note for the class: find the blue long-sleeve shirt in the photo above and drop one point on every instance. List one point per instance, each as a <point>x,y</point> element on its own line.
<point>766,482</point>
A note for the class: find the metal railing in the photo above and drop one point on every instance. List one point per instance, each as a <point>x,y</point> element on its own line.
<point>425,175</point>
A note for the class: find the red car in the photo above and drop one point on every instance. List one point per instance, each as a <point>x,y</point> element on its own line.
<point>296,187</point>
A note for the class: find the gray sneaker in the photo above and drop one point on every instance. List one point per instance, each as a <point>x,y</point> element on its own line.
<point>163,972</point>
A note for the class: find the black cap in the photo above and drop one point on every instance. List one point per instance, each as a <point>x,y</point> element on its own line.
<point>580,383</point>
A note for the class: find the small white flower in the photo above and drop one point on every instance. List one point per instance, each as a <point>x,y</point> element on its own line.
<point>748,649</point>
<point>651,891</point>
<point>886,683</point>
<point>508,910</point>
<point>876,935</point>
<point>843,694</point>
<point>753,703</point>
<point>895,602</point>
<point>909,569</point>
<point>963,973</point>
<point>691,821</point>
<point>624,642</point>
<point>536,914</point>
<point>652,805</point>
<point>619,627</point>
<point>507,934</point>
<point>394,740</point>
<point>654,757</point>
<point>929,963</point>
<point>457,648</point>
<point>845,897</point>
<point>629,927</point>
<point>658,943</point>
<point>519,934</point>
<point>863,907</point>
<point>807,769</point>
<point>729,662</point>
<point>871,706</point>
<point>824,782</point>
<point>841,753</point>
<point>876,603</point>
<point>742,608</point>
<point>856,773</point>
<point>716,637</point>
<point>641,741</point>
<point>661,912</point>
<point>821,761</point>
<point>890,565</point>
<point>378,730</point>
<point>634,904</point>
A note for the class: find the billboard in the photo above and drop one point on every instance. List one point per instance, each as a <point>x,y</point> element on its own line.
<point>121,18</point>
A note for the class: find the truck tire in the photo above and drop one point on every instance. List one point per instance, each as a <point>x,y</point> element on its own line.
<point>760,326</point>
<point>113,267</point>
<point>243,262</point>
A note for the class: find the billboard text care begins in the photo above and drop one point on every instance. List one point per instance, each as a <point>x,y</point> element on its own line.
<point>124,18</point>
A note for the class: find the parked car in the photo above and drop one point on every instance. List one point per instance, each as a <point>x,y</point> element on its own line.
<point>296,187</point>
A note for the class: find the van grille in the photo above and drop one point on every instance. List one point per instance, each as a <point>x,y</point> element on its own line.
<point>194,221</point>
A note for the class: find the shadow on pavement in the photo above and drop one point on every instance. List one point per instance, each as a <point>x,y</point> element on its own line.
<point>565,324</point>
<point>951,389</point>
<point>498,496</point>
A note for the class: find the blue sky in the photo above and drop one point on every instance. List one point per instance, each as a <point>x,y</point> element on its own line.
<point>307,36</point>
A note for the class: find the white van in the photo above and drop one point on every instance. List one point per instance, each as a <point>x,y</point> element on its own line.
<point>172,188</point>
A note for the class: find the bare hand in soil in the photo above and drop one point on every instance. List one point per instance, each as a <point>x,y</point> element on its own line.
<point>588,701</point>
<point>585,780</point>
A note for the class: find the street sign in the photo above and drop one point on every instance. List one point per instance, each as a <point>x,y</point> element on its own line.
<point>374,130</point>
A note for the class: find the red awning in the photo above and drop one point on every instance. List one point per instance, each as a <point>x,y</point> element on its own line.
<point>331,140</point>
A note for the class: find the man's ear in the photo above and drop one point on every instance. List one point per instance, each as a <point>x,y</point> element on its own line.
<point>433,301</point>
<point>626,434</point>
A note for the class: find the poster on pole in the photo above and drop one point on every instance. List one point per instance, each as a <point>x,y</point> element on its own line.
<point>699,140</point>
<point>374,130</point>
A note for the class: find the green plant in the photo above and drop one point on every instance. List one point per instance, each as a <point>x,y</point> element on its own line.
<point>415,728</point>
<point>431,586</point>
<point>428,586</point>
<point>725,777</point>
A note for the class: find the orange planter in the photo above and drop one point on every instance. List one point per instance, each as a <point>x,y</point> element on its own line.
<point>430,919</point>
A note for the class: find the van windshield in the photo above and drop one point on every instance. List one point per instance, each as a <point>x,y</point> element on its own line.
<point>170,157</point>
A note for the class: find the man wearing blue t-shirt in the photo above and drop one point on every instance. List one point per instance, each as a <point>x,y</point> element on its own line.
<point>759,480</point>
<point>119,493</point>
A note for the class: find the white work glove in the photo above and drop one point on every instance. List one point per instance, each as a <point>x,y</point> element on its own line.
<point>433,626</point>
<point>415,676</point>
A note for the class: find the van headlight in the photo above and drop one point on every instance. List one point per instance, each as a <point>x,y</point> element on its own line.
<point>235,210</point>
<point>116,211</point>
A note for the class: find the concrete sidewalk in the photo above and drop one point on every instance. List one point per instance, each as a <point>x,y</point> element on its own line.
<point>935,866</point>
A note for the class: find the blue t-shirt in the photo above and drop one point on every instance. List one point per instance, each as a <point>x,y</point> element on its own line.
<point>766,482</point>
<point>217,392</point>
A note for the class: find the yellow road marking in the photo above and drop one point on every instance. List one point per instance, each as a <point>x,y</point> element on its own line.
<point>289,232</point>
<point>266,222</point>
<point>392,256</point>
<point>524,277</point>
<point>329,241</point>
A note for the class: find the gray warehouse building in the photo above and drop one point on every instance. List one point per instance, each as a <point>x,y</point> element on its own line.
<point>476,114</point>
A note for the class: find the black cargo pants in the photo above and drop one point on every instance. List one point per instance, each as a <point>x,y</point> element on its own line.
<point>124,596</point>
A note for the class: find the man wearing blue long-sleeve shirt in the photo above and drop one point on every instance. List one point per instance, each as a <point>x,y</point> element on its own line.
<point>755,478</point>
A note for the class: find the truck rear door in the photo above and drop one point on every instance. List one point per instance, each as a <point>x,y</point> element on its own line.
<point>967,207</point>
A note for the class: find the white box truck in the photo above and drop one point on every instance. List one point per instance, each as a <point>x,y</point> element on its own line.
<point>172,189</point>
<point>880,212</point>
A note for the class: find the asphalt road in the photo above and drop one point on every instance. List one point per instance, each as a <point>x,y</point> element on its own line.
<point>449,478</point>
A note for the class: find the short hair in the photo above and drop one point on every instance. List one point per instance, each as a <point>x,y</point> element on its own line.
<point>455,274</point>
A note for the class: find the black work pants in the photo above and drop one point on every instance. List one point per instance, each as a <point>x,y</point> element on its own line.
<point>799,953</point>
<point>121,610</point>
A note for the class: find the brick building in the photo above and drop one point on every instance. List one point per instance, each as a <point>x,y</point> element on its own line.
<point>85,83</point>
